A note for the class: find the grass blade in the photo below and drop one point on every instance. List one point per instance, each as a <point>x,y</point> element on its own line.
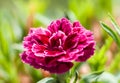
<point>111,33</point>
<point>116,26</point>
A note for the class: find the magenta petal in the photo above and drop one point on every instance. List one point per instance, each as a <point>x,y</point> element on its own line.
<point>60,68</point>
<point>71,56</point>
<point>40,31</point>
<point>42,36</point>
<point>63,67</point>
<point>54,53</point>
<point>87,52</point>
<point>57,39</point>
<point>56,48</point>
<point>38,50</point>
<point>54,26</point>
<point>76,24</point>
<point>67,28</point>
<point>71,41</point>
<point>23,57</point>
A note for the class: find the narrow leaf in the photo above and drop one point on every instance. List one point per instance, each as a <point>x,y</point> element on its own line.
<point>111,32</point>
<point>47,80</point>
<point>116,26</point>
<point>91,77</point>
<point>107,77</point>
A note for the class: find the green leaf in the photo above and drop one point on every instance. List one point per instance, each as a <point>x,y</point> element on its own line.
<point>75,68</point>
<point>47,80</point>
<point>114,66</point>
<point>107,77</point>
<point>76,77</point>
<point>91,77</point>
<point>98,61</point>
<point>116,26</point>
<point>111,32</point>
<point>118,77</point>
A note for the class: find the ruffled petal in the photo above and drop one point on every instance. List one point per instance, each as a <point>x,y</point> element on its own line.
<point>71,41</point>
<point>38,50</point>
<point>56,48</point>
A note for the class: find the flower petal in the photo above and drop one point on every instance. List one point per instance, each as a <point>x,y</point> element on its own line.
<point>57,39</point>
<point>88,51</point>
<point>71,41</point>
<point>54,53</point>
<point>38,50</point>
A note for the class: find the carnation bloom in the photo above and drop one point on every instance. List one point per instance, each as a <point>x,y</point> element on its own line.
<point>56,48</point>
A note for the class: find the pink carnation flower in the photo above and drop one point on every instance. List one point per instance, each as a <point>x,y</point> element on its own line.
<point>54,49</point>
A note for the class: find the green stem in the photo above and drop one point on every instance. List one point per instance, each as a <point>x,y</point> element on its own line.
<point>62,78</point>
<point>76,77</point>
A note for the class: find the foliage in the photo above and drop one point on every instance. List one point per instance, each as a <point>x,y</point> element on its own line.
<point>113,34</point>
<point>17,16</point>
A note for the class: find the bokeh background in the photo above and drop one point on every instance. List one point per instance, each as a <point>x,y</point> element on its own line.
<point>18,16</point>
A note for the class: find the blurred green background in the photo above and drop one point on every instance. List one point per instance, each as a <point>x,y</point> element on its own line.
<point>18,16</point>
